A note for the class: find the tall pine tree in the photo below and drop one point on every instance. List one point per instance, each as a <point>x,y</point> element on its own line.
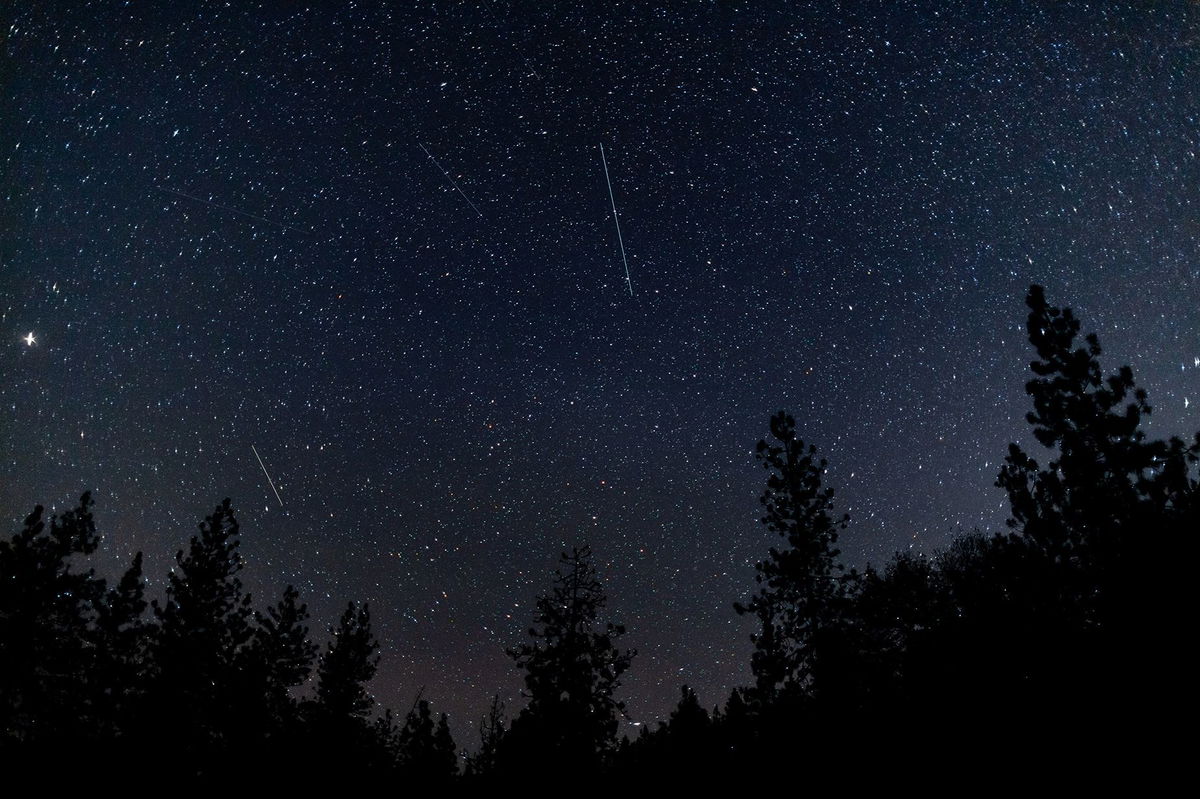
<point>426,750</point>
<point>47,621</point>
<point>1106,482</point>
<point>204,624</point>
<point>348,664</point>
<point>279,658</point>
<point>338,717</point>
<point>492,730</point>
<point>800,585</point>
<point>1092,523</point>
<point>122,645</point>
<point>572,670</point>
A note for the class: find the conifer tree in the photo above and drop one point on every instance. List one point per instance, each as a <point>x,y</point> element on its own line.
<point>444,762</point>
<point>1093,426</point>
<point>688,734</point>
<point>491,738</point>
<point>348,664</point>
<point>123,637</point>
<point>426,750</point>
<point>799,585</point>
<point>1106,486</point>
<point>47,618</point>
<point>204,625</point>
<point>385,735</point>
<point>688,721</point>
<point>572,670</point>
<point>733,726</point>
<point>281,655</point>
<point>1091,522</point>
<point>337,717</point>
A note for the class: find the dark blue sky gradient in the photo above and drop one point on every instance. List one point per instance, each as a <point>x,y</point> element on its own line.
<point>833,208</point>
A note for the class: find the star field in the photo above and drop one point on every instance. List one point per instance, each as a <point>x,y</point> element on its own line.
<point>375,244</point>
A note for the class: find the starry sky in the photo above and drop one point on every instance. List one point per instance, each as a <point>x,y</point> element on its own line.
<point>373,244</point>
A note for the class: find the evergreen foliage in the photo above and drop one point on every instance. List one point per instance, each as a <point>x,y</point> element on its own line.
<point>203,627</point>
<point>426,750</point>
<point>492,731</point>
<point>348,664</point>
<point>572,668</point>
<point>799,585</point>
<point>48,613</point>
<point>1060,634</point>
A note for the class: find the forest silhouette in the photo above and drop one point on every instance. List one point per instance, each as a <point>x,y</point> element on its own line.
<point>1055,640</point>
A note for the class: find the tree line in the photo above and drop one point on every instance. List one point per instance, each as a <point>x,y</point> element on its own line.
<point>1061,634</point>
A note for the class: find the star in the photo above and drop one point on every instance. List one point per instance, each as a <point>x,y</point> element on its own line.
<point>903,183</point>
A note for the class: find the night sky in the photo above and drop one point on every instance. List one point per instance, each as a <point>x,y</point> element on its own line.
<point>227,228</point>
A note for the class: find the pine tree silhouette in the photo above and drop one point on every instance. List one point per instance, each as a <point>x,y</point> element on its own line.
<point>123,640</point>
<point>338,717</point>
<point>1085,508</point>
<point>572,670</point>
<point>492,729</point>
<point>47,617</point>
<point>348,664</point>
<point>204,625</point>
<point>799,586</point>
<point>734,729</point>
<point>279,658</point>
<point>426,751</point>
<point>1091,523</point>
<point>689,735</point>
<point>1062,635</point>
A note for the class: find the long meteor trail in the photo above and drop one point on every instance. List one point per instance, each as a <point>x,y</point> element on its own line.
<point>452,183</point>
<point>269,481</point>
<point>621,241</point>
<point>230,209</point>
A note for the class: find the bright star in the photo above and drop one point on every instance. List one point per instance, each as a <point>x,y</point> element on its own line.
<point>29,339</point>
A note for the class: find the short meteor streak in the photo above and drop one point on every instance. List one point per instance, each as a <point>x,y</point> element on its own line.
<point>621,241</point>
<point>452,183</point>
<point>269,481</point>
<point>230,209</point>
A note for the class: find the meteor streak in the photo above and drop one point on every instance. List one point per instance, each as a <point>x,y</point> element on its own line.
<point>621,241</point>
<point>269,481</point>
<point>230,209</point>
<point>452,183</point>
